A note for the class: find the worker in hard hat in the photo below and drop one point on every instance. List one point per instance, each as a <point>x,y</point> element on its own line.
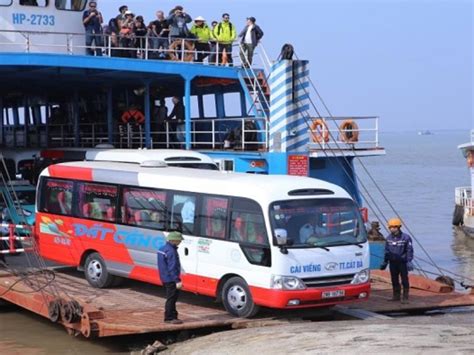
<point>169,268</point>
<point>399,254</point>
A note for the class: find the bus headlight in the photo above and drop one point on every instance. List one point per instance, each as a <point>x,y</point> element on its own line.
<point>279,282</point>
<point>361,277</point>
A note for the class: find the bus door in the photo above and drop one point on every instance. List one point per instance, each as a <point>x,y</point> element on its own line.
<point>182,218</point>
<point>232,242</point>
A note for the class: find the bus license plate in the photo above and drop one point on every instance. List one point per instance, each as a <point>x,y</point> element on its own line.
<point>332,294</point>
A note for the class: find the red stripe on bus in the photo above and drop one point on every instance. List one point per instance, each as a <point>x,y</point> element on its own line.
<point>70,172</point>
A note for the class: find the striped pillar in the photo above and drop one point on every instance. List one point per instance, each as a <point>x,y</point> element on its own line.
<point>289,106</point>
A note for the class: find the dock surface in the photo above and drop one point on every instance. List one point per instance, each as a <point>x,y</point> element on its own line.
<point>137,308</point>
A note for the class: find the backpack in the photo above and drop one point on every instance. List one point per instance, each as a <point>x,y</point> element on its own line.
<point>287,51</point>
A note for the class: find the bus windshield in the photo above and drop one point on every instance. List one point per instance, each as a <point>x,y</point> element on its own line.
<point>318,222</point>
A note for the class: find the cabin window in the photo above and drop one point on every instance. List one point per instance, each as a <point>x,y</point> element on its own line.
<point>39,3</point>
<point>97,201</point>
<point>5,2</point>
<point>209,105</point>
<point>71,5</point>
<point>213,217</point>
<point>232,105</point>
<point>144,207</point>
<point>57,197</point>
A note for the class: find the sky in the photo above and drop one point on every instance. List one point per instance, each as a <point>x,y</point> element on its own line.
<point>408,62</point>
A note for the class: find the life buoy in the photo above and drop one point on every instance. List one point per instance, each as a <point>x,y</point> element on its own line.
<point>320,131</point>
<point>133,116</point>
<point>188,50</point>
<point>349,131</point>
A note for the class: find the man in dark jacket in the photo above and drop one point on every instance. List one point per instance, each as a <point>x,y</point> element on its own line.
<point>92,20</point>
<point>399,254</point>
<point>176,122</point>
<point>250,35</point>
<point>169,268</point>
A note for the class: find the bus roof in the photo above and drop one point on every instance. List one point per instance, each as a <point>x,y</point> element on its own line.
<point>264,188</point>
<point>138,156</point>
<point>141,155</point>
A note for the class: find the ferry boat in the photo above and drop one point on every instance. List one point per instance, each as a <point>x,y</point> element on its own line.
<point>463,215</point>
<point>256,118</point>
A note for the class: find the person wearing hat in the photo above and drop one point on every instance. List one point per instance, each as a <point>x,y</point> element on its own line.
<point>202,32</point>
<point>169,269</point>
<point>399,255</point>
<point>250,36</point>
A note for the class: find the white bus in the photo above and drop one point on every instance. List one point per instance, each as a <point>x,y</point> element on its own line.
<point>249,240</point>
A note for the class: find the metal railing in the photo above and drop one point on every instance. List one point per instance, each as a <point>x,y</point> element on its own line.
<point>463,197</point>
<point>131,46</point>
<point>332,134</point>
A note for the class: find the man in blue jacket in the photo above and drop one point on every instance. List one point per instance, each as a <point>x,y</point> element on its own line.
<point>399,253</point>
<point>169,268</point>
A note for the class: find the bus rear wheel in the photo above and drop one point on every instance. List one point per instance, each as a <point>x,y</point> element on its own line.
<point>96,272</point>
<point>237,298</point>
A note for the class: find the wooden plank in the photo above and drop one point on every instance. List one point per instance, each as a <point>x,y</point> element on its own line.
<point>416,281</point>
<point>360,313</point>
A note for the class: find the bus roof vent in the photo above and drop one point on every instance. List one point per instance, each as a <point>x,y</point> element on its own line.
<point>183,159</point>
<point>153,164</point>
<point>310,192</point>
<point>104,146</point>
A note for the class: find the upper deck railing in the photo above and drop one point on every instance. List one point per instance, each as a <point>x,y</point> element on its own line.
<point>139,47</point>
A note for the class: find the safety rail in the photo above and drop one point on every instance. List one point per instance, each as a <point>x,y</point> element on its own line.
<point>15,233</point>
<point>74,44</point>
<point>463,197</point>
<point>347,133</point>
<point>209,133</point>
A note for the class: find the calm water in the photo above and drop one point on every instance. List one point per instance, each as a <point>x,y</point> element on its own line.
<point>418,175</point>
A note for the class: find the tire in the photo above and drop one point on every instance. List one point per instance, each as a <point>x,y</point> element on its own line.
<point>458,215</point>
<point>96,272</point>
<point>237,298</point>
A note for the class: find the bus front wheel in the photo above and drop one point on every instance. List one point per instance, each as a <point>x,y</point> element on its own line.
<point>237,298</point>
<point>96,272</point>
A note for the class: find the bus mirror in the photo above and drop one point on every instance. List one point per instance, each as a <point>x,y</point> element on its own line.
<point>281,236</point>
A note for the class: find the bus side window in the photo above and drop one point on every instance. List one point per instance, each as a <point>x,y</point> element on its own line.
<point>213,217</point>
<point>183,213</point>
<point>144,207</point>
<point>97,201</point>
<point>57,197</point>
<point>248,228</point>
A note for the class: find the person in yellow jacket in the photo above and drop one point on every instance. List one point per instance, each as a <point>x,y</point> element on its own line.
<point>225,34</point>
<point>202,33</point>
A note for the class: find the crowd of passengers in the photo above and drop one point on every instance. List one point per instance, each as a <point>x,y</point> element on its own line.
<point>168,36</point>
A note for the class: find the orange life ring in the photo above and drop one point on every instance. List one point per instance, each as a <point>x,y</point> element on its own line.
<point>188,50</point>
<point>319,130</point>
<point>133,116</point>
<point>349,131</point>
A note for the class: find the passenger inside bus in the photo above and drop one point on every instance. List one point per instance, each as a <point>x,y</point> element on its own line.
<point>216,227</point>
<point>64,199</point>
